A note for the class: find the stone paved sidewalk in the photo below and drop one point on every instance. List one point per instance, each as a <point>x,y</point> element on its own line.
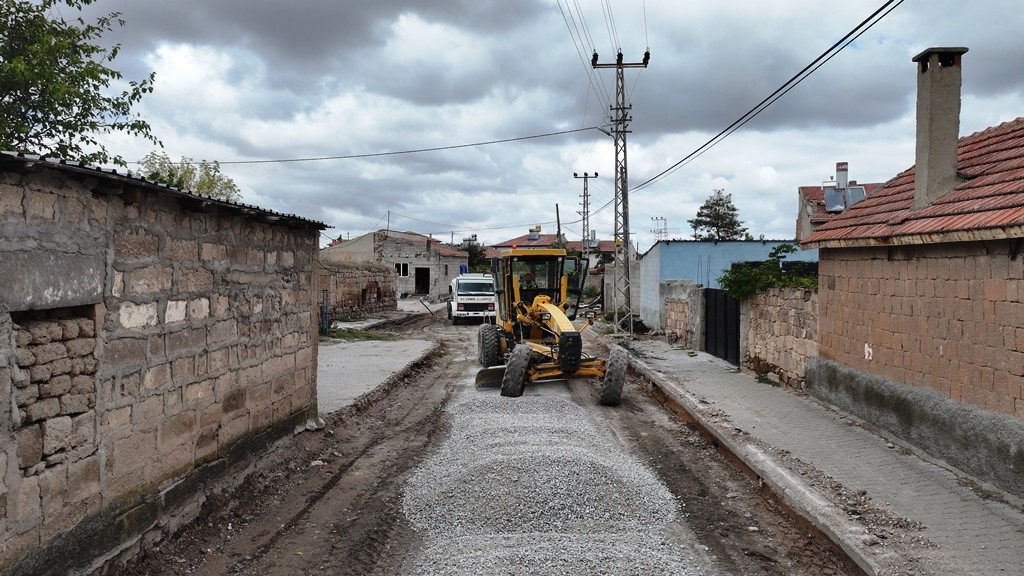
<point>974,531</point>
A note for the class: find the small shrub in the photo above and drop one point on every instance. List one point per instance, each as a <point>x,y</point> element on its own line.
<point>744,279</point>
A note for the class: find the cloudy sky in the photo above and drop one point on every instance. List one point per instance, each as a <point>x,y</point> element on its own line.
<point>261,80</point>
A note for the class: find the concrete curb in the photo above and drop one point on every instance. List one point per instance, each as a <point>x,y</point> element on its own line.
<point>801,498</point>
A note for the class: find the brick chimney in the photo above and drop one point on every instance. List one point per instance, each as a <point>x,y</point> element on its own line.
<point>938,123</point>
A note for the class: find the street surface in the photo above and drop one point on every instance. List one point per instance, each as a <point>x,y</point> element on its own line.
<point>435,476</point>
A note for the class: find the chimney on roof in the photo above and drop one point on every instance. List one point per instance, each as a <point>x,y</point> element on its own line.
<point>938,123</point>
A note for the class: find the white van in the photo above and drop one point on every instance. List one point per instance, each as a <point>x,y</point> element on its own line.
<point>472,296</point>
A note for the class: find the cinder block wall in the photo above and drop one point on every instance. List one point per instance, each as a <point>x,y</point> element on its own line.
<point>927,342</point>
<point>949,318</point>
<point>150,346</point>
<point>781,333</point>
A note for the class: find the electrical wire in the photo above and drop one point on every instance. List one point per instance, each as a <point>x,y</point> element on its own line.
<point>799,77</point>
<point>581,39</point>
<point>400,152</point>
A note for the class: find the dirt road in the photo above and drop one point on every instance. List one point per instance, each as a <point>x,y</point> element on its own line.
<point>333,502</point>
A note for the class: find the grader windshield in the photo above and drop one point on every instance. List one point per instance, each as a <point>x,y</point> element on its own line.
<point>522,277</point>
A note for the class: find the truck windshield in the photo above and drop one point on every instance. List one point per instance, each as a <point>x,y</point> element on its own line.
<point>476,287</point>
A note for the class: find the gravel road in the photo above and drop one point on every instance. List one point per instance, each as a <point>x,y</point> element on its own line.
<point>533,482</point>
<point>435,476</point>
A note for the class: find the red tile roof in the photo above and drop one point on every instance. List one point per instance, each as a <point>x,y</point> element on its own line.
<point>987,204</point>
<point>548,240</point>
<point>815,196</point>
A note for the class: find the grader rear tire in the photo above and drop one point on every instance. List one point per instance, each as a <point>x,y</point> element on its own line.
<point>489,347</point>
<point>614,377</point>
<point>514,381</point>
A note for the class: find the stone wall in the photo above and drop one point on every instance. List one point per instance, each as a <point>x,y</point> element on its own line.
<point>150,345</point>
<point>683,303</point>
<point>781,332</point>
<point>358,288</point>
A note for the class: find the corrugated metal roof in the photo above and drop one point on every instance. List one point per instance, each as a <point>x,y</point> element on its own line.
<point>112,175</point>
<point>987,204</point>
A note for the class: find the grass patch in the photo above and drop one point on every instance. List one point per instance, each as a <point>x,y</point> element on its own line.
<point>352,334</point>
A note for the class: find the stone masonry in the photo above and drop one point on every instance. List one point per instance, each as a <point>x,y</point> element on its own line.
<point>151,343</point>
<point>781,333</point>
<point>355,288</point>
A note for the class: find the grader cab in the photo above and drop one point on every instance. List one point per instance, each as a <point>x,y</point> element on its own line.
<point>534,337</point>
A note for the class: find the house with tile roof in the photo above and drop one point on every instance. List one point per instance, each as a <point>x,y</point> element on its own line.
<point>813,211</point>
<point>423,265</point>
<point>598,249</point>
<point>921,318</point>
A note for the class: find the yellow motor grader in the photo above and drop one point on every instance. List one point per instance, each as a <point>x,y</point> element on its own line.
<point>533,337</point>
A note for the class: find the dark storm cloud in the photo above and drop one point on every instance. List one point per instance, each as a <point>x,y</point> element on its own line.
<point>305,39</point>
<point>307,79</point>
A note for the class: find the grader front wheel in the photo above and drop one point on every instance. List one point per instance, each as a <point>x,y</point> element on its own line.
<point>489,346</point>
<point>514,381</point>
<point>614,377</point>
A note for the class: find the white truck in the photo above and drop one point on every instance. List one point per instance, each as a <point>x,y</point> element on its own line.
<point>472,296</point>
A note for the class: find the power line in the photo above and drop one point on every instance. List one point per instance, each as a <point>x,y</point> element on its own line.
<point>414,151</point>
<point>799,77</point>
<point>581,39</point>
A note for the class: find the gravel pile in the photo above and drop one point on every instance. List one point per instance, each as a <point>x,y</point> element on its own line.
<point>530,486</point>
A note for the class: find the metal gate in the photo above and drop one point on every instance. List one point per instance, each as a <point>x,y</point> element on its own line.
<point>722,325</point>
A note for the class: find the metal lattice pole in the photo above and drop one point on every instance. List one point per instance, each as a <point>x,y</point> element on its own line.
<point>621,301</point>
<point>585,213</point>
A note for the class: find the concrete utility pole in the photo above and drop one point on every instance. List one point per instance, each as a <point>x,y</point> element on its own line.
<point>585,213</point>
<point>620,122</point>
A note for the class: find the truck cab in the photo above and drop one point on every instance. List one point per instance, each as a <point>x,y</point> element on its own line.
<point>471,296</point>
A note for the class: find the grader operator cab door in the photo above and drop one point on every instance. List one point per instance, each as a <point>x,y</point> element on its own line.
<point>576,273</point>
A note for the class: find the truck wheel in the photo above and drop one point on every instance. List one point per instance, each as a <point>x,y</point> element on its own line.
<point>489,348</point>
<point>514,380</point>
<point>614,377</point>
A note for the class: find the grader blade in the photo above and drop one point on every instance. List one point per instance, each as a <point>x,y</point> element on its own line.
<point>490,377</point>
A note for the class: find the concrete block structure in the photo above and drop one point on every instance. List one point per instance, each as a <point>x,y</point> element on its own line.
<point>423,266</point>
<point>699,261</point>
<point>152,342</point>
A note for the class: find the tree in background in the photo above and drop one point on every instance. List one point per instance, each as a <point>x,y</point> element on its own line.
<point>718,219</point>
<point>53,80</point>
<point>204,178</point>
<point>477,261</point>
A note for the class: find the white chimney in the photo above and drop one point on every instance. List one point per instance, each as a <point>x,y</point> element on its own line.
<point>842,174</point>
<point>938,123</point>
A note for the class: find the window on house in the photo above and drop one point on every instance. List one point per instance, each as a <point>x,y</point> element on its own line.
<point>445,269</point>
<point>402,268</point>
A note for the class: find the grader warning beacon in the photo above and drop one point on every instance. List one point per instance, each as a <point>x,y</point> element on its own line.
<point>533,337</point>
